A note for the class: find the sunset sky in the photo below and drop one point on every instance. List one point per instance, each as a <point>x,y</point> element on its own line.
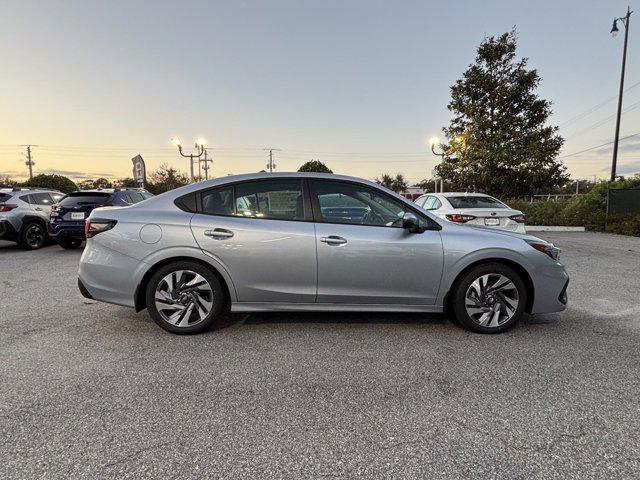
<point>360,85</point>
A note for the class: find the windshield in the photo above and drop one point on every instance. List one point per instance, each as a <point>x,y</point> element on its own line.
<point>475,202</point>
<point>84,198</point>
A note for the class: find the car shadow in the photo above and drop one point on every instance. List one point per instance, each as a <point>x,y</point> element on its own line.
<point>333,318</point>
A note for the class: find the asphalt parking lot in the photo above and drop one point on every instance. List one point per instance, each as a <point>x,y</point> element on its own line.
<point>96,391</point>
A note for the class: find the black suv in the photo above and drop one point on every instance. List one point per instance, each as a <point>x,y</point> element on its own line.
<point>68,215</point>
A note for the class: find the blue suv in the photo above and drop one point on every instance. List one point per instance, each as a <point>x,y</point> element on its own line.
<point>68,216</point>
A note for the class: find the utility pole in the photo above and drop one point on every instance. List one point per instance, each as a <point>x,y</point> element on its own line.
<point>614,31</point>
<point>30,163</point>
<point>206,160</point>
<point>271,165</point>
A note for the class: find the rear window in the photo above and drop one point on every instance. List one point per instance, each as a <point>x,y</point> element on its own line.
<point>4,197</point>
<point>475,202</point>
<point>80,198</point>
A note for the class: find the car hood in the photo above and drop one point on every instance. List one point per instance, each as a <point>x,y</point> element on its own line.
<point>493,231</point>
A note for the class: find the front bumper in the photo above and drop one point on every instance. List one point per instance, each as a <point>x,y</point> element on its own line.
<point>7,231</point>
<point>550,286</point>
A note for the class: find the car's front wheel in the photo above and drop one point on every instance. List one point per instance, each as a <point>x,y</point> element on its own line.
<point>185,297</point>
<point>489,298</point>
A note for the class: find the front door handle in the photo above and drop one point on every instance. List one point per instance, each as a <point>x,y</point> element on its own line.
<point>333,240</point>
<point>38,209</point>
<point>219,233</point>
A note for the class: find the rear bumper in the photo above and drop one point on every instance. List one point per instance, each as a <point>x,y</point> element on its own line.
<point>7,231</point>
<point>109,276</point>
<point>66,230</point>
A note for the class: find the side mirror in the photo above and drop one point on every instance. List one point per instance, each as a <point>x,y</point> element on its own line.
<point>411,223</point>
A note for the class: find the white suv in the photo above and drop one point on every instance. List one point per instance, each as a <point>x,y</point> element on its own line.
<point>24,215</point>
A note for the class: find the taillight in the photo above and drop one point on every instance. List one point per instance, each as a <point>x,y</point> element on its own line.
<point>55,207</point>
<point>7,207</point>
<point>94,226</point>
<point>458,218</point>
<point>517,218</point>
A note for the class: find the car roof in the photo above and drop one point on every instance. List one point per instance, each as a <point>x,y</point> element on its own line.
<point>274,176</point>
<point>28,190</point>
<point>463,194</point>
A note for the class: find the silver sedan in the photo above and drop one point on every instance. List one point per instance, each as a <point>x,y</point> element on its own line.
<point>310,242</point>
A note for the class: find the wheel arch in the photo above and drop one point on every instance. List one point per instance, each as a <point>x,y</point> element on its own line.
<point>519,269</point>
<point>27,219</point>
<point>140,301</point>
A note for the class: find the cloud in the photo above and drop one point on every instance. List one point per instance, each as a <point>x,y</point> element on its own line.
<point>75,173</point>
<point>629,146</point>
<point>624,168</point>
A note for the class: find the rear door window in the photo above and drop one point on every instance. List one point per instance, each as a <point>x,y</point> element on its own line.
<point>41,199</point>
<point>135,197</point>
<point>270,199</point>
<point>218,202</point>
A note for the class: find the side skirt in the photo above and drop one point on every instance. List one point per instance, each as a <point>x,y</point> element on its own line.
<point>330,307</point>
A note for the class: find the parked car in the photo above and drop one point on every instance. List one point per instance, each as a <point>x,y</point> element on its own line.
<point>68,215</point>
<point>266,242</point>
<point>474,209</point>
<point>24,215</point>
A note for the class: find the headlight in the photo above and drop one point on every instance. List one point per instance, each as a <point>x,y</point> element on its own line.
<point>548,248</point>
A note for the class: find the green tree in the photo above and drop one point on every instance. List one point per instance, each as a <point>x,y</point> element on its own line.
<point>498,140</point>
<point>397,183</point>
<point>166,178</point>
<point>125,183</point>
<point>91,184</point>
<point>7,182</point>
<point>315,166</point>
<point>55,182</point>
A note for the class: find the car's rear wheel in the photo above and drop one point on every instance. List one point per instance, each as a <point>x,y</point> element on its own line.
<point>185,297</point>
<point>70,243</point>
<point>489,298</point>
<point>32,236</point>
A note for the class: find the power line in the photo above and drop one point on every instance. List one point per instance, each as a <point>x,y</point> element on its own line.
<point>598,146</point>
<point>594,108</point>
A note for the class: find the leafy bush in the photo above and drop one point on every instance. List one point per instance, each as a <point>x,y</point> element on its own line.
<point>54,182</point>
<point>586,210</point>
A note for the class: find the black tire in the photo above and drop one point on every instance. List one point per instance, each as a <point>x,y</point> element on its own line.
<point>462,286</point>
<point>33,235</point>
<point>70,243</point>
<point>218,298</point>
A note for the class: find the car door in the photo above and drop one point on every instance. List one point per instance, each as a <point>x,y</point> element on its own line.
<point>368,258</point>
<point>263,234</point>
<point>41,203</point>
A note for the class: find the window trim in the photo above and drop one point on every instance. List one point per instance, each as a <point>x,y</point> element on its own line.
<point>306,199</point>
<point>317,214</point>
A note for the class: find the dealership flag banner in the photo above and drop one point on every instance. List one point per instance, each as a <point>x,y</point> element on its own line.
<point>139,171</point>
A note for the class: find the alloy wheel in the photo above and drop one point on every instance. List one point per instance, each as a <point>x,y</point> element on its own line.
<point>491,300</point>
<point>34,236</point>
<point>184,298</point>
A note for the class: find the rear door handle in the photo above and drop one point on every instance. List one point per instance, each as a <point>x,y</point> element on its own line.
<point>219,233</point>
<point>38,208</point>
<point>333,240</point>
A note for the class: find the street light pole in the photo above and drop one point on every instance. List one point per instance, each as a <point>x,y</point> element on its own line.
<point>436,141</point>
<point>614,32</point>
<point>199,145</point>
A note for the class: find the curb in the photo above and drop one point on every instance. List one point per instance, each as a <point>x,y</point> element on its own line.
<point>541,228</point>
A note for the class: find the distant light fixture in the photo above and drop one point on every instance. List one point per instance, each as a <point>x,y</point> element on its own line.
<point>176,142</point>
<point>201,142</point>
<point>614,28</point>
<point>433,141</point>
